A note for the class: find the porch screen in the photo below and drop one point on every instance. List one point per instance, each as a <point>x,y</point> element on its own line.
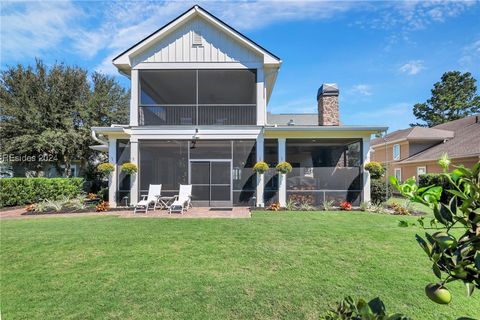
<point>324,170</point>
<point>270,194</point>
<point>197,97</point>
<point>165,163</point>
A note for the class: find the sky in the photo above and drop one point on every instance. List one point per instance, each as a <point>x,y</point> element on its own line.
<point>384,56</point>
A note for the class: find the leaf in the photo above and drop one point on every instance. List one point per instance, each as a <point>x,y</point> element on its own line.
<point>377,306</point>
<point>446,213</point>
<point>403,224</point>
<point>457,193</point>
<point>477,259</point>
<point>470,287</point>
<point>438,215</point>
<point>436,271</point>
<point>425,246</point>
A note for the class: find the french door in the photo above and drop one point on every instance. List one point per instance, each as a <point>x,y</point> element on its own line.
<point>211,182</point>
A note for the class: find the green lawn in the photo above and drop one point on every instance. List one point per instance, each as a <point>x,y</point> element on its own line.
<point>273,266</point>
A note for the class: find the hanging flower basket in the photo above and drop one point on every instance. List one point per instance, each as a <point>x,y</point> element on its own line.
<point>105,168</point>
<point>284,167</point>
<point>260,167</point>
<point>129,168</point>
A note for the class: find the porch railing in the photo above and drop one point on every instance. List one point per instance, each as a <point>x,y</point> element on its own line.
<point>202,114</point>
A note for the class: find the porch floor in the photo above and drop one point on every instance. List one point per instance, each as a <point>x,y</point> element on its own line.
<point>196,212</point>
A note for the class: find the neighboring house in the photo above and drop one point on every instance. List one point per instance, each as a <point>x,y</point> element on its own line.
<point>198,115</point>
<point>415,151</point>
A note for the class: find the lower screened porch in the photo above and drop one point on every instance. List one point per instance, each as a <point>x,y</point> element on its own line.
<point>221,171</point>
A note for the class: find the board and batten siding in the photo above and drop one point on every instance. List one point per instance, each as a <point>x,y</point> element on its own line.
<point>216,47</point>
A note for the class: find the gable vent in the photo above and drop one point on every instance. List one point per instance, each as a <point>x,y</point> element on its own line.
<point>197,38</point>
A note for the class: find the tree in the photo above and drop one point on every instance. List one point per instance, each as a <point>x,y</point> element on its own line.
<point>47,113</point>
<point>454,97</point>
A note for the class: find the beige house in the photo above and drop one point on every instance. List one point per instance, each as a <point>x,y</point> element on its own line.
<point>414,151</point>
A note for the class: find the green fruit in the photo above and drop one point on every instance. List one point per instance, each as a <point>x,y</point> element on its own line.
<point>443,239</point>
<point>437,293</point>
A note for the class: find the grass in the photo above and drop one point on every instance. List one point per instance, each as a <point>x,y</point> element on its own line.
<point>273,266</point>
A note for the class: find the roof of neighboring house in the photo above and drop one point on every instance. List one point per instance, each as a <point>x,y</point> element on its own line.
<point>297,119</point>
<point>465,143</point>
<point>416,134</point>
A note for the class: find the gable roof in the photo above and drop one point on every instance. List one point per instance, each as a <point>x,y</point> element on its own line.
<point>122,61</point>
<point>415,134</point>
<point>465,143</point>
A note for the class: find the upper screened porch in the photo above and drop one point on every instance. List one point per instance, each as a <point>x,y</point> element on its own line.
<point>197,97</point>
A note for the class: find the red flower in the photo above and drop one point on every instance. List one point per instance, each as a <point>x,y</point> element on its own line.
<point>345,205</point>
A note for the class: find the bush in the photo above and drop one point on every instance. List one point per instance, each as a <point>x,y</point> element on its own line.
<point>378,191</point>
<point>376,169</point>
<point>106,168</point>
<point>21,191</point>
<point>436,179</point>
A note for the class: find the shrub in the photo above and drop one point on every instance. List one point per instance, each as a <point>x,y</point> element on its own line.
<point>105,168</point>
<point>398,209</point>
<point>274,206</point>
<point>376,169</point>
<point>378,191</point>
<point>260,167</point>
<point>284,167</point>
<point>454,253</point>
<point>21,191</point>
<point>349,309</point>
<point>436,179</point>
<point>345,205</point>
<point>63,204</point>
<point>129,168</point>
<point>102,206</point>
<point>327,205</point>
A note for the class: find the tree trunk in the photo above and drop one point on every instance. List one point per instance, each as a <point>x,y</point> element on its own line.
<point>68,167</point>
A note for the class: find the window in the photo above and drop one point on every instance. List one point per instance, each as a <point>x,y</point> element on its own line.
<point>398,174</point>
<point>421,170</point>
<point>396,152</point>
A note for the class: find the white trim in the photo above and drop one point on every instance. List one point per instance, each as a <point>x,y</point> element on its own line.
<point>366,174</point>
<point>395,146</point>
<point>282,184</point>
<point>399,177</point>
<point>260,177</point>
<point>112,180</point>
<point>261,102</point>
<point>134,97</point>
<point>424,170</point>
<point>196,65</point>
<point>134,188</point>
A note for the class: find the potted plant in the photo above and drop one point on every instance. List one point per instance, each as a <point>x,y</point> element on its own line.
<point>260,167</point>
<point>106,168</point>
<point>129,168</point>
<point>284,167</point>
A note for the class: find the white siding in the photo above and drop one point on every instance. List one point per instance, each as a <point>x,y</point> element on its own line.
<point>178,47</point>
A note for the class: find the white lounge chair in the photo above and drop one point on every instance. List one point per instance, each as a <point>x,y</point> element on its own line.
<point>154,192</point>
<point>183,201</point>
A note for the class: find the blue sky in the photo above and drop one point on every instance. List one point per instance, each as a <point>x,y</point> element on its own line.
<point>385,56</point>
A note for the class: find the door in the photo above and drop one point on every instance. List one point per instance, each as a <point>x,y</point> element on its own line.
<point>211,182</point>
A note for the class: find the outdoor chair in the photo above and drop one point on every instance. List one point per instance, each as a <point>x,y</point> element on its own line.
<point>183,200</point>
<point>154,192</point>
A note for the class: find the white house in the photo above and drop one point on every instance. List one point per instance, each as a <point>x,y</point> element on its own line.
<point>199,95</point>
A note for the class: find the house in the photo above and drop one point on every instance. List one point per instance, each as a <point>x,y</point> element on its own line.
<point>415,151</point>
<point>198,115</point>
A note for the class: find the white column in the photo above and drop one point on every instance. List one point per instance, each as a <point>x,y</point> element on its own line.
<point>261,99</point>
<point>112,180</point>
<point>260,177</point>
<point>134,177</point>
<point>134,98</point>
<point>366,174</point>
<point>282,179</point>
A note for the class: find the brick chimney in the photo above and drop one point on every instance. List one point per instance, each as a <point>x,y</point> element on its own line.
<point>327,98</point>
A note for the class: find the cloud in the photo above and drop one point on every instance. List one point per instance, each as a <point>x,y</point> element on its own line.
<point>28,29</point>
<point>361,89</point>
<point>412,67</point>
<point>470,55</point>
